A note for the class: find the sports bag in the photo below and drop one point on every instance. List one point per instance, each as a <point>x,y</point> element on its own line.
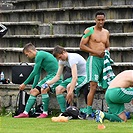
<point>71,112</point>
<point>21,72</point>
<point>21,101</point>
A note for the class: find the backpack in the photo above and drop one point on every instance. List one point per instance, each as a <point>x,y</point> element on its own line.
<point>72,112</point>
<point>21,101</point>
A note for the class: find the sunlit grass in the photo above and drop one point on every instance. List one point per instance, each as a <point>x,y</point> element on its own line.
<point>34,125</point>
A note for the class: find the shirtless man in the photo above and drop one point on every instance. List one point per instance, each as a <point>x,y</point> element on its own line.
<point>95,41</point>
<point>120,91</point>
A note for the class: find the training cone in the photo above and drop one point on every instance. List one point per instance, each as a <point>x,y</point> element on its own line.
<point>60,119</point>
<point>101,126</point>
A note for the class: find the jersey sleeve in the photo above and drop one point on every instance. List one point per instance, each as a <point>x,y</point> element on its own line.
<point>36,70</point>
<point>90,32</point>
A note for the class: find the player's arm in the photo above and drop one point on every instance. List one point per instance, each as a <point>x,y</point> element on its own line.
<point>36,69</point>
<point>74,77</point>
<point>107,45</point>
<point>36,79</point>
<point>70,94</point>
<point>57,76</point>
<point>85,40</point>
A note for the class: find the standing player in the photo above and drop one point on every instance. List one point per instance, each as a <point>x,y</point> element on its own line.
<point>95,41</point>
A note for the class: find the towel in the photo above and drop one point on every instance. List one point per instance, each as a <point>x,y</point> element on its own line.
<point>108,74</point>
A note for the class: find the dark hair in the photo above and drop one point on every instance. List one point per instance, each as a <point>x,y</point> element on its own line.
<point>99,13</point>
<point>58,50</point>
<point>29,46</point>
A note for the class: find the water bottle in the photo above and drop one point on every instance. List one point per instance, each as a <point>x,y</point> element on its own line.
<point>1,77</point>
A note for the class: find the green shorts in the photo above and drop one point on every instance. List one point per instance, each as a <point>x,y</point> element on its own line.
<point>80,82</point>
<point>94,69</point>
<point>49,77</point>
<point>116,97</point>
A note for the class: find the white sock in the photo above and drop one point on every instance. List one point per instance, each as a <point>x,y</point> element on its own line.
<point>45,112</point>
<point>25,112</point>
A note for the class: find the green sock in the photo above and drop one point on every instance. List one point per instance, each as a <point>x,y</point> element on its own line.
<point>112,117</point>
<point>45,102</point>
<point>30,103</point>
<point>89,110</point>
<point>62,102</point>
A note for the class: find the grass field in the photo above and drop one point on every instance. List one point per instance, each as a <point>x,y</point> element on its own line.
<point>34,125</point>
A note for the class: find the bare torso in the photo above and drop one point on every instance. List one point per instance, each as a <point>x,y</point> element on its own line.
<point>123,80</point>
<point>98,41</point>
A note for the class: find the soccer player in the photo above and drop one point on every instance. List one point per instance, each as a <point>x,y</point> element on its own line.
<point>120,91</point>
<point>47,62</point>
<point>95,41</point>
<point>72,85</point>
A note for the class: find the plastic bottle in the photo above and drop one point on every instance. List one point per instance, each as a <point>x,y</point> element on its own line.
<point>1,77</point>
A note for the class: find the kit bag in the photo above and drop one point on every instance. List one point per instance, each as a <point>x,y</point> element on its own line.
<point>72,112</point>
<point>21,101</point>
<point>21,72</point>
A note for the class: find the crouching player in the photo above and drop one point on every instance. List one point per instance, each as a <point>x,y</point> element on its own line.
<point>120,91</point>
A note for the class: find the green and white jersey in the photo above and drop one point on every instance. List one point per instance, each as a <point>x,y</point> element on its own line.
<point>43,60</point>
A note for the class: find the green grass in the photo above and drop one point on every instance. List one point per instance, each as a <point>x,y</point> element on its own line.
<point>34,125</point>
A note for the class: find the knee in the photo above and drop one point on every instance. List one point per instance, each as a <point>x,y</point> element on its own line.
<point>44,91</point>
<point>34,92</point>
<point>59,90</point>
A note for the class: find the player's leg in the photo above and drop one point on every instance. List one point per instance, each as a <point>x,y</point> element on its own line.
<point>31,101</point>
<point>59,94</point>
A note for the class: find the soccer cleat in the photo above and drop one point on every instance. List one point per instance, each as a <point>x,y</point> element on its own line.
<point>90,116</point>
<point>22,115</point>
<point>99,116</point>
<point>128,115</point>
<point>42,115</point>
<point>85,116</point>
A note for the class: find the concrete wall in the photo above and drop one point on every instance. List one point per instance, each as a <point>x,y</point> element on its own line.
<point>9,95</point>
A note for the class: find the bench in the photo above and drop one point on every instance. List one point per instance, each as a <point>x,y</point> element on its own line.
<point>9,94</point>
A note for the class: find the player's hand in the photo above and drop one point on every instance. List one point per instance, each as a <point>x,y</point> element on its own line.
<point>100,54</point>
<point>69,97</point>
<point>22,86</point>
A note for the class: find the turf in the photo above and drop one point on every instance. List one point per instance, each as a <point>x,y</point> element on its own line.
<point>34,125</point>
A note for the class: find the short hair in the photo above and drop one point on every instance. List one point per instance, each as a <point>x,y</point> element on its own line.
<point>99,13</point>
<point>58,50</point>
<point>29,46</point>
